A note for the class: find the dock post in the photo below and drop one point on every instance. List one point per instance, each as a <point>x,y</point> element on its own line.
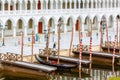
<point>22,44</point>
<point>71,42</point>
<point>32,46</point>
<point>114,51</point>
<point>80,58</point>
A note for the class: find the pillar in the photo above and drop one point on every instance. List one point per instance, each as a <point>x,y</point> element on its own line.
<point>56,28</point>
<point>3,6</point>
<point>83,29</point>
<point>114,25</point>
<point>8,6</point>
<point>46,5</point>
<point>20,7</point>
<point>14,31</point>
<point>65,28</point>
<point>2,34</point>
<point>14,6</point>
<point>51,5</point>
<point>25,31</point>
<point>36,29</point>
<point>36,5</point>
<point>31,6</point>
<point>74,4</point>
<point>99,25</point>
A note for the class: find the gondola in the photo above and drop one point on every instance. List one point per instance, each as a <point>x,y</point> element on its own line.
<point>66,59</point>
<point>105,49</point>
<point>99,57</point>
<point>55,64</point>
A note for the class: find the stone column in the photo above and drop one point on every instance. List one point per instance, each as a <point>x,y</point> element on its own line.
<point>20,7</point>
<point>14,6</point>
<point>25,31</point>
<point>65,4</point>
<point>99,25</point>
<point>91,4</point>
<point>2,33</point>
<point>83,4</point>
<point>3,6</point>
<point>14,31</point>
<point>46,5</point>
<point>31,6</point>
<point>41,5</point>
<point>36,29</point>
<point>56,28</point>
<point>83,29</point>
<point>70,5</point>
<point>65,28</point>
<point>25,6</point>
<point>36,5</point>
<point>51,5</point>
<point>114,25</point>
<point>8,6</point>
<point>74,4</point>
<point>56,5</point>
<point>61,5</point>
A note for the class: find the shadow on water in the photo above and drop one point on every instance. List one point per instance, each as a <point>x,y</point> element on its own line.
<point>6,75</point>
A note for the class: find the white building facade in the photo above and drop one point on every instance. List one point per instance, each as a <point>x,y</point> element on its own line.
<point>37,15</point>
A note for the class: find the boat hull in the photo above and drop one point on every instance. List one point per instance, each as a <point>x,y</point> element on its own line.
<point>97,58</point>
<point>55,64</point>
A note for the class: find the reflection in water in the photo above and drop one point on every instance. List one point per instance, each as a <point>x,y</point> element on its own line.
<point>86,74</point>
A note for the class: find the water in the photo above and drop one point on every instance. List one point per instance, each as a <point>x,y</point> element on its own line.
<point>95,73</point>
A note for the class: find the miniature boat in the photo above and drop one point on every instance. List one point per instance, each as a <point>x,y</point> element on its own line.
<point>55,64</point>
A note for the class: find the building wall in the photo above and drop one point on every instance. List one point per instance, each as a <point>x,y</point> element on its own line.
<point>18,13</point>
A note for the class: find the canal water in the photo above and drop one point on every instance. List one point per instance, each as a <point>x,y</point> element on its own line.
<point>94,73</point>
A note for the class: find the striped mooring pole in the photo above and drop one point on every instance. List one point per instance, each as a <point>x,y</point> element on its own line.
<point>114,50</point>
<point>90,48</point>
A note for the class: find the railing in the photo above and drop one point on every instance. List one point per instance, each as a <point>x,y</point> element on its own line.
<point>10,56</point>
<point>61,11</point>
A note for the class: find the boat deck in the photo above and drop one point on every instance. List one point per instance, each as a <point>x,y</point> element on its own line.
<point>32,66</point>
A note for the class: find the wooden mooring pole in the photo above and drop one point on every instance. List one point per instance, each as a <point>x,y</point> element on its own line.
<point>113,61</point>
<point>70,50</point>
<point>58,61</point>
<point>32,46</point>
<point>22,44</point>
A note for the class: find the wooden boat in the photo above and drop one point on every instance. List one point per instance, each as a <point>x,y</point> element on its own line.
<point>55,64</point>
<point>105,49</point>
<point>29,66</point>
<point>99,58</point>
<point>66,59</point>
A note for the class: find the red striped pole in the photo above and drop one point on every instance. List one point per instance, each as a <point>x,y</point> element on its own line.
<point>90,48</point>
<point>114,50</point>
<point>80,55</point>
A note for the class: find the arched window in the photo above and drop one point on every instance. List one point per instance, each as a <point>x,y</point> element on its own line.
<point>30,23</point>
<point>9,25</point>
<point>6,6</point>
<point>39,5</point>
<point>28,5</point>
<point>20,24</point>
